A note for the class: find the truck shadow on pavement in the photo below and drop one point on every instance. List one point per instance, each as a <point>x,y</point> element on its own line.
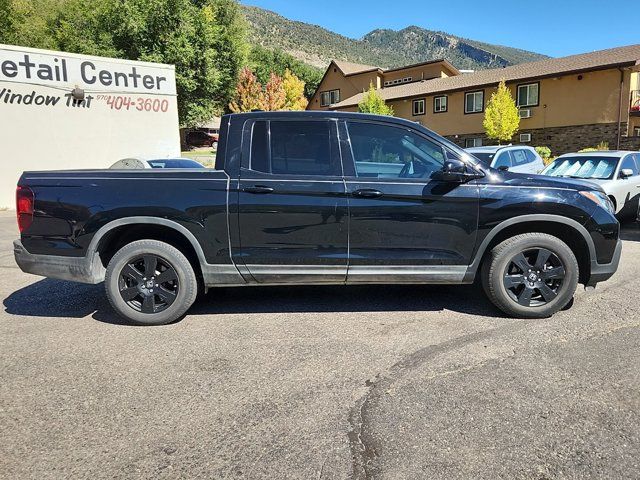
<point>59,299</point>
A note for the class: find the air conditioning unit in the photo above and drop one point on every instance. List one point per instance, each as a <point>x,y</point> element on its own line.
<point>525,137</point>
<point>524,113</point>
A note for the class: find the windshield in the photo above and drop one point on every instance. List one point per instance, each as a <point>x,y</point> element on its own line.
<point>485,157</point>
<point>597,168</point>
<point>175,163</point>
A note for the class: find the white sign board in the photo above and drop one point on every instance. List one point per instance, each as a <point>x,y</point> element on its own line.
<point>129,109</point>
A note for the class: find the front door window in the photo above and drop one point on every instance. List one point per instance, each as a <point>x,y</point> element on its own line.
<point>382,151</point>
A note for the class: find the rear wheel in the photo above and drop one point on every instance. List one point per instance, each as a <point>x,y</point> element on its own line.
<point>150,283</point>
<point>532,275</point>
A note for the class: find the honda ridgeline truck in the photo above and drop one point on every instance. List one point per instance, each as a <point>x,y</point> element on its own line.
<point>317,198</point>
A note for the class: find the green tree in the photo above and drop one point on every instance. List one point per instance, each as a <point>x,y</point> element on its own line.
<point>372,102</point>
<point>7,22</point>
<point>501,119</point>
<point>26,22</point>
<point>204,39</point>
<point>264,61</point>
<point>294,92</point>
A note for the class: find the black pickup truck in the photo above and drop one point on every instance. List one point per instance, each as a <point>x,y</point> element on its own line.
<point>317,198</point>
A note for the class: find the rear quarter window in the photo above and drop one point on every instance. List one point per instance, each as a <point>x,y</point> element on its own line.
<point>530,155</point>
<point>519,157</point>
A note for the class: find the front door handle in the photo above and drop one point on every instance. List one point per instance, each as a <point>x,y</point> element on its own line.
<point>258,189</point>
<point>367,193</point>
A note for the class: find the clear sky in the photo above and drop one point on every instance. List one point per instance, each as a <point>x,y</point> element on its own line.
<point>552,27</point>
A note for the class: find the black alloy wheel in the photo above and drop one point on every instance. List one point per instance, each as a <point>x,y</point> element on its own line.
<point>148,284</point>
<point>534,277</point>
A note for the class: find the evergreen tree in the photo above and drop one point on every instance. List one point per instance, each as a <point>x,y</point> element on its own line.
<point>501,119</point>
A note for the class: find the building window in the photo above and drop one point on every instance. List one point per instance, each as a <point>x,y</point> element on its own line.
<point>528,95</point>
<point>418,107</point>
<point>397,81</point>
<point>440,104</point>
<point>474,102</point>
<point>329,98</point>
<point>472,142</point>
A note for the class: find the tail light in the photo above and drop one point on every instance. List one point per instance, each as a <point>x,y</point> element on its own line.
<point>24,207</point>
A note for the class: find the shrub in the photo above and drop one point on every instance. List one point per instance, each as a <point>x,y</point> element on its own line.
<point>598,148</point>
<point>544,152</point>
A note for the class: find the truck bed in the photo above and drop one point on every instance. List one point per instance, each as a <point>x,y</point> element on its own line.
<point>71,205</point>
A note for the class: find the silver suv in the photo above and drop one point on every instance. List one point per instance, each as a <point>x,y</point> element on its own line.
<point>515,158</point>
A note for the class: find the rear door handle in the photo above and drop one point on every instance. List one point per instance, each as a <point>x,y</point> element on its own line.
<point>258,189</point>
<point>367,193</point>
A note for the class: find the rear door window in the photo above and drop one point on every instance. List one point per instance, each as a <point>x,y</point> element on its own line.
<point>519,157</point>
<point>282,147</point>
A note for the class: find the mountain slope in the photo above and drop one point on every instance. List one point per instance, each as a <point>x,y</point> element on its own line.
<point>386,48</point>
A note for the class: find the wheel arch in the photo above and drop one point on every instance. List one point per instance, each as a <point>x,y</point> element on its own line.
<point>568,230</point>
<point>114,235</point>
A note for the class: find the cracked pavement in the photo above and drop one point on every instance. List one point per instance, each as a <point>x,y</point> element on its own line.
<point>390,382</point>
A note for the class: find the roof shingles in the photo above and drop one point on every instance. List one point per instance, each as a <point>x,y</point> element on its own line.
<point>629,55</point>
<point>349,68</point>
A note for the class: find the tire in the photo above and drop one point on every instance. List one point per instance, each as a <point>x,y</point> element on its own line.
<point>138,298</point>
<point>516,287</point>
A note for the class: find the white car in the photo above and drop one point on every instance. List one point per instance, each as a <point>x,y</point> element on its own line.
<point>617,172</point>
<point>515,158</point>
<point>137,163</point>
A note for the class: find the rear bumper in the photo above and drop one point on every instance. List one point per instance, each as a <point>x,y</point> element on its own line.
<point>75,269</point>
<point>604,271</point>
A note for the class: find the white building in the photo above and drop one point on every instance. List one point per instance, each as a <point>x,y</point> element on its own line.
<point>66,111</point>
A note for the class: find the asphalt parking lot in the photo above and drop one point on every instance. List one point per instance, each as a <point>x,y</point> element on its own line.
<point>391,382</point>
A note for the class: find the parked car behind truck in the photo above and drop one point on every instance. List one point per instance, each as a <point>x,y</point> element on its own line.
<point>317,198</point>
<point>515,158</point>
<point>617,172</point>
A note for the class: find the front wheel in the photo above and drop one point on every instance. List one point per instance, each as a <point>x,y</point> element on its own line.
<point>532,275</point>
<point>149,282</point>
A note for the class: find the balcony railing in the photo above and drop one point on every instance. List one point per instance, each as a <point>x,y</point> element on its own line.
<point>635,101</point>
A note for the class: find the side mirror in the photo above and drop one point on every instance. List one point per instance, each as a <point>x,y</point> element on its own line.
<point>626,173</point>
<point>503,168</point>
<point>456,171</point>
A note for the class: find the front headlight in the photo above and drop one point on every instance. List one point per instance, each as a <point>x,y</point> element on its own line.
<point>601,199</point>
